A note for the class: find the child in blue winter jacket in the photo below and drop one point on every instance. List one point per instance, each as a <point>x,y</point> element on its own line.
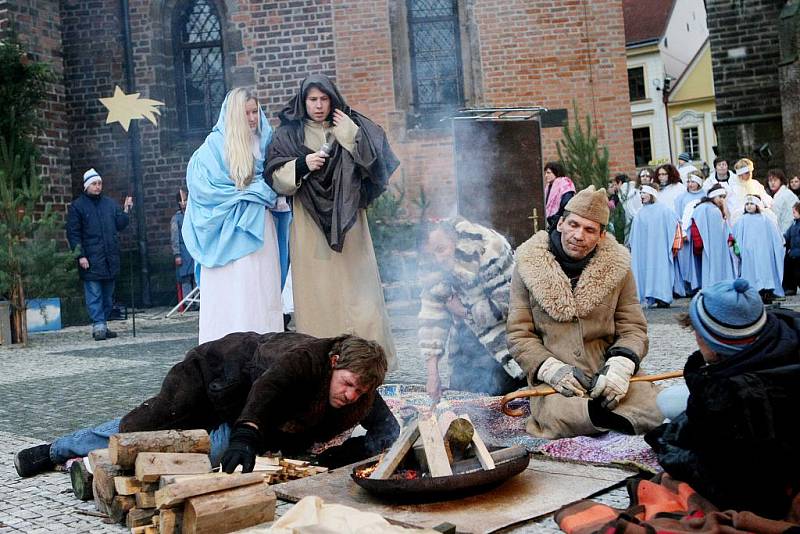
<point>791,262</point>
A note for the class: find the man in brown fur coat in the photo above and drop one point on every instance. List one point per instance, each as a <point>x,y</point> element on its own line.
<point>575,323</point>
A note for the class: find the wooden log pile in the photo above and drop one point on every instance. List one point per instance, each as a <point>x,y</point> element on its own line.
<point>161,482</point>
<point>437,444</point>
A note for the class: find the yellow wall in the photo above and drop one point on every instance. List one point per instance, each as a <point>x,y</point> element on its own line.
<point>696,91</point>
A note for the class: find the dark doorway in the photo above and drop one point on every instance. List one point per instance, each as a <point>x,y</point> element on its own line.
<point>499,175</point>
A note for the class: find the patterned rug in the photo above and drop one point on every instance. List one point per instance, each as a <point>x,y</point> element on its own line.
<point>500,430</point>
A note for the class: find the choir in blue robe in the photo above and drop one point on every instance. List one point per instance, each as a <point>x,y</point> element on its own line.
<point>717,261</point>
<point>688,265</point>
<point>762,251</point>
<point>652,261</point>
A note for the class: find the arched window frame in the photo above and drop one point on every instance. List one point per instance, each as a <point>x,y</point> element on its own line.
<point>209,102</point>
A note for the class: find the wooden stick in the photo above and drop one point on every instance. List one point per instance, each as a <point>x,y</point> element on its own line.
<point>388,464</point>
<point>542,391</point>
<point>432,441</point>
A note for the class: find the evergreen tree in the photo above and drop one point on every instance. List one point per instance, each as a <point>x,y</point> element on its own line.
<point>31,260</point>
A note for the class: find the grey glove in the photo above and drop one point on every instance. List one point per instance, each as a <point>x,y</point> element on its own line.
<point>612,381</point>
<point>565,379</point>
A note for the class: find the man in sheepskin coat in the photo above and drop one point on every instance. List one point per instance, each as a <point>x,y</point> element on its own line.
<point>464,306</point>
<point>575,323</point>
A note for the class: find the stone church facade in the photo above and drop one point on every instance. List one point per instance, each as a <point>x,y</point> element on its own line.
<point>404,63</point>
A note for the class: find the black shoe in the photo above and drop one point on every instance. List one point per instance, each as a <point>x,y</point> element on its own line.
<point>33,460</point>
<point>81,480</point>
<point>100,335</point>
<point>110,334</point>
<point>661,304</point>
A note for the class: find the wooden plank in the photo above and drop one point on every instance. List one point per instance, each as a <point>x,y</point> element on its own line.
<point>145,499</point>
<point>118,508</point>
<point>151,465</point>
<point>170,521</point>
<point>228,511</point>
<point>480,448</point>
<point>388,464</point>
<point>127,485</point>
<point>123,448</point>
<point>179,491</point>
<point>102,506</point>
<point>438,464</point>
<point>103,472</point>
<point>138,517</point>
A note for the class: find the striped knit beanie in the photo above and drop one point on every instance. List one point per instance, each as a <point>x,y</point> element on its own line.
<point>729,316</point>
<point>89,177</point>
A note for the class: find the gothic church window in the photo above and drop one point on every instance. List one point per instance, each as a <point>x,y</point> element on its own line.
<point>199,66</point>
<point>435,54</point>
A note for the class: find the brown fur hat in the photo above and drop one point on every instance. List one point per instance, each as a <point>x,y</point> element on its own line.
<point>591,204</point>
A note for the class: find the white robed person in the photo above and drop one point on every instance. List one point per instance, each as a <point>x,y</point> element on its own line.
<point>761,249</point>
<point>712,237</point>
<point>230,224</point>
<point>688,265</point>
<point>652,259</point>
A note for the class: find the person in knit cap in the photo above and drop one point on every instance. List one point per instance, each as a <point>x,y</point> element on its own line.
<point>575,323</point>
<point>733,429</point>
<point>685,166</point>
<point>93,221</point>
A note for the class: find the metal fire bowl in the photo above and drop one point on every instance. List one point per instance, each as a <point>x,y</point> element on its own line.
<point>428,489</point>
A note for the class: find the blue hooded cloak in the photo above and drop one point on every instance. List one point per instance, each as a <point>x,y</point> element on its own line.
<point>717,262</point>
<point>222,223</point>
<point>688,265</point>
<point>651,252</point>
<point>762,251</point>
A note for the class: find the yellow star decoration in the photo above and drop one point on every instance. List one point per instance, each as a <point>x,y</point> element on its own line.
<point>123,108</point>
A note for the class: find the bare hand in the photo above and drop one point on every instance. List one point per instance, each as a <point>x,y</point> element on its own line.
<point>340,117</point>
<point>84,263</point>
<point>126,207</point>
<point>316,161</point>
<point>456,307</point>
<point>178,261</point>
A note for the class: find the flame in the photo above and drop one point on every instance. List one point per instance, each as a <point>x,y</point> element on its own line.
<point>367,471</point>
<point>408,474</point>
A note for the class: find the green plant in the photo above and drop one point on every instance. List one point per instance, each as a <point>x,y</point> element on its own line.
<point>31,260</point>
<point>579,151</point>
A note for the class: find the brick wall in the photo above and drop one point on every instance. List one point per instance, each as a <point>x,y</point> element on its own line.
<point>746,81</point>
<point>37,25</point>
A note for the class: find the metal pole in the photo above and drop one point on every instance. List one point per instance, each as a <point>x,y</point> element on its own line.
<point>136,161</point>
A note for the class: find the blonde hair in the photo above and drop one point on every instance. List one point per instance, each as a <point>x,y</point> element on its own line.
<point>744,162</point>
<point>238,138</point>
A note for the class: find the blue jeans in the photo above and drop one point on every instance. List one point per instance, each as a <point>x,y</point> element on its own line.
<point>99,299</point>
<point>81,442</point>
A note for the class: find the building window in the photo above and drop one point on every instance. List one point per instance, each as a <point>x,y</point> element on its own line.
<point>691,142</point>
<point>200,74</point>
<point>636,85</point>
<point>642,148</point>
<point>435,54</point>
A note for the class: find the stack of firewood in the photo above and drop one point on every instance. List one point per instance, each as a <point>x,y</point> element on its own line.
<point>161,482</point>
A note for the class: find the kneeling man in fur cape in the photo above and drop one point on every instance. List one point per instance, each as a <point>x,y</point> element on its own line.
<point>575,323</point>
<point>256,393</point>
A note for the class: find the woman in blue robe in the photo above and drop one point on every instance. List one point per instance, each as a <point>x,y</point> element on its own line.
<point>230,224</point>
<point>652,259</point>
<point>711,237</point>
<point>688,267</point>
<point>762,251</point>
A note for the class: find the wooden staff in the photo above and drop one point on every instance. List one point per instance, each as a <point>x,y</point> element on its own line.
<point>547,390</point>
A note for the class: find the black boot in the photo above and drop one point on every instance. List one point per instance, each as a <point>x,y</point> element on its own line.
<point>110,334</point>
<point>81,480</point>
<point>33,460</point>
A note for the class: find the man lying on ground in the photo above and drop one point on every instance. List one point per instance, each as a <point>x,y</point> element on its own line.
<point>733,433</point>
<point>255,393</point>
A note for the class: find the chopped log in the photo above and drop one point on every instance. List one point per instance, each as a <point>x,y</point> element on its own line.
<point>127,485</point>
<point>138,530</point>
<point>100,504</point>
<point>123,448</point>
<point>457,435</point>
<point>151,529</point>
<point>145,499</point>
<point>294,463</point>
<point>177,492</point>
<point>170,521</point>
<point>138,517</point>
<point>151,465</point>
<point>103,472</point>
<point>438,464</point>
<point>119,507</point>
<point>388,464</point>
<point>480,448</point>
<point>228,511</point>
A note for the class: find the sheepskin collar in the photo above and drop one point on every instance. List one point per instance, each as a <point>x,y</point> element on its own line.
<point>550,287</point>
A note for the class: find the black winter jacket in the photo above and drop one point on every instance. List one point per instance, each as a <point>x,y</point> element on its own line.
<point>92,225</point>
<point>737,443</point>
<point>279,381</point>
<point>792,237</point>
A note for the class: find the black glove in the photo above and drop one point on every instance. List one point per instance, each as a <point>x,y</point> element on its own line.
<point>241,449</point>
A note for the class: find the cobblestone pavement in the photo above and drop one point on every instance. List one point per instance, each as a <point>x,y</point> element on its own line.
<point>64,380</point>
